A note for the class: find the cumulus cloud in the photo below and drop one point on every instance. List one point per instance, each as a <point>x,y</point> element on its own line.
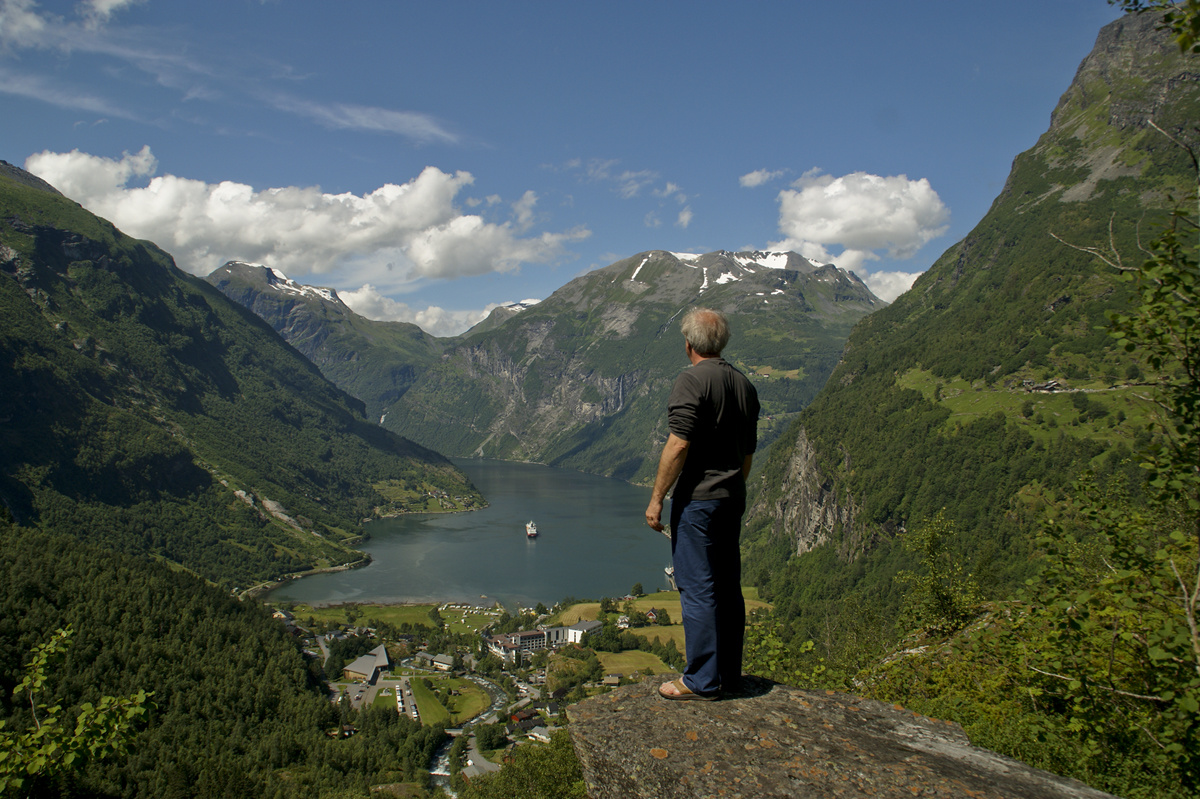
<point>685,217</point>
<point>759,176</point>
<point>369,302</point>
<point>392,236</point>
<point>890,285</point>
<point>863,214</point>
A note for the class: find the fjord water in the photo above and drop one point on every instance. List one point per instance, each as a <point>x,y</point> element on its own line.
<point>593,542</point>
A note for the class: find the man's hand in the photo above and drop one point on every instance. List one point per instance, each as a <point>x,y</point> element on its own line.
<point>654,514</point>
<point>670,464</point>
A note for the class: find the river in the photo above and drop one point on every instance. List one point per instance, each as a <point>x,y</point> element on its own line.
<point>593,542</point>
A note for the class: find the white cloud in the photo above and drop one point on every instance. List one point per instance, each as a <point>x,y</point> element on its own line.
<point>630,184</point>
<point>153,52</point>
<point>97,12</point>
<point>391,236</point>
<point>420,127</point>
<point>20,23</point>
<point>890,285</point>
<point>523,210</point>
<point>685,217</point>
<point>37,87</point>
<point>758,177</point>
<point>368,302</point>
<point>863,214</point>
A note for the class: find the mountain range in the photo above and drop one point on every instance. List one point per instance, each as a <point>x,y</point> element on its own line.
<point>579,379</point>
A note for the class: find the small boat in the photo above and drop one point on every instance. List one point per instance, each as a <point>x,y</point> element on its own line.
<point>531,530</point>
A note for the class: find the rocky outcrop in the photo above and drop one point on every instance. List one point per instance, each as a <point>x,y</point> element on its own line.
<point>772,740</point>
<point>807,506</point>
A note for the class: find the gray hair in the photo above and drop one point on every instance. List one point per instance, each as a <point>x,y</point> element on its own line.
<point>706,330</point>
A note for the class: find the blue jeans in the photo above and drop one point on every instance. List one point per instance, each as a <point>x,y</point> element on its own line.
<point>708,573</point>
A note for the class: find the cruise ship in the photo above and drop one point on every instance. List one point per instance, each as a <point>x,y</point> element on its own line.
<point>531,530</point>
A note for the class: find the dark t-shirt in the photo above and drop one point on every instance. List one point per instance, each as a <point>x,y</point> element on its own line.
<point>714,408</point>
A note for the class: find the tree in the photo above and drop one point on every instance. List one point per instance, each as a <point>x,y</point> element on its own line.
<point>941,598</point>
<point>1110,633</point>
<point>637,590</point>
<point>491,736</point>
<point>50,749</point>
<point>534,772</point>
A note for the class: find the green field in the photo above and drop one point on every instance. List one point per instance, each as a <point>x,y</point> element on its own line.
<point>456,620</point>
<point>469,703</point>
<point>627,663</point>
<point>1049,413</point>
<point>663,600</point>
<point>667,632</point>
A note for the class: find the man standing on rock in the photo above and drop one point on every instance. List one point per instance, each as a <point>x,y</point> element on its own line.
<point>713,419</point>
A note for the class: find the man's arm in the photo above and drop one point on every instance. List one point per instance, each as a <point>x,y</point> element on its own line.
<point>746,464</point>
<point>670,464</point>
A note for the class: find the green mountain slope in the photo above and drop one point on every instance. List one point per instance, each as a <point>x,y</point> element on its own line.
<point>373,361</point>
<point>580,380</point>
<point>144,410</point>
<point>993,382</point>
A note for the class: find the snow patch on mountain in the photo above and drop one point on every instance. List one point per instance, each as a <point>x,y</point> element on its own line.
<point>523,305</point>
<point>281,282</point>
<point>639,268</point>
<point>771,260</point>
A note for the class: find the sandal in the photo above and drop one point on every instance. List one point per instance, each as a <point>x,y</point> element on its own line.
<point>683,693</point>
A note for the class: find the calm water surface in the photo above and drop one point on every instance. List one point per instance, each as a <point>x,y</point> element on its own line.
<point>593,542</point>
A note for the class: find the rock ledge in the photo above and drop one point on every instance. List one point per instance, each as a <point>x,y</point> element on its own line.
<point>772,740</point>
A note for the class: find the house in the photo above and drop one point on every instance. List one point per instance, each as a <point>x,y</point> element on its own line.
<point>555,636</point>
<point>611,680</point>
<point>529,640</point>
<point>443,662</point>
<point>503,648</point>
<point>540,733</point>
<point>523,715</point>
<point>579,629</point>
<point>510,647</point>
<point>622,622</point>
<point>368,666</point>
<point>652,615</point>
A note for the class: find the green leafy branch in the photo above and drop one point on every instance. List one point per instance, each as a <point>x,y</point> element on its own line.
<point>51,747</point>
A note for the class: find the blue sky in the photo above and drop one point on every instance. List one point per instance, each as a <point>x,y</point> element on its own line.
<point>429,160</point>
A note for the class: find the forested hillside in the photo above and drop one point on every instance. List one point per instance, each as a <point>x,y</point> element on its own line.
<point>234,709</point>
<point>990,513</point>
<point>936,402</point>
<point>144,411</point>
